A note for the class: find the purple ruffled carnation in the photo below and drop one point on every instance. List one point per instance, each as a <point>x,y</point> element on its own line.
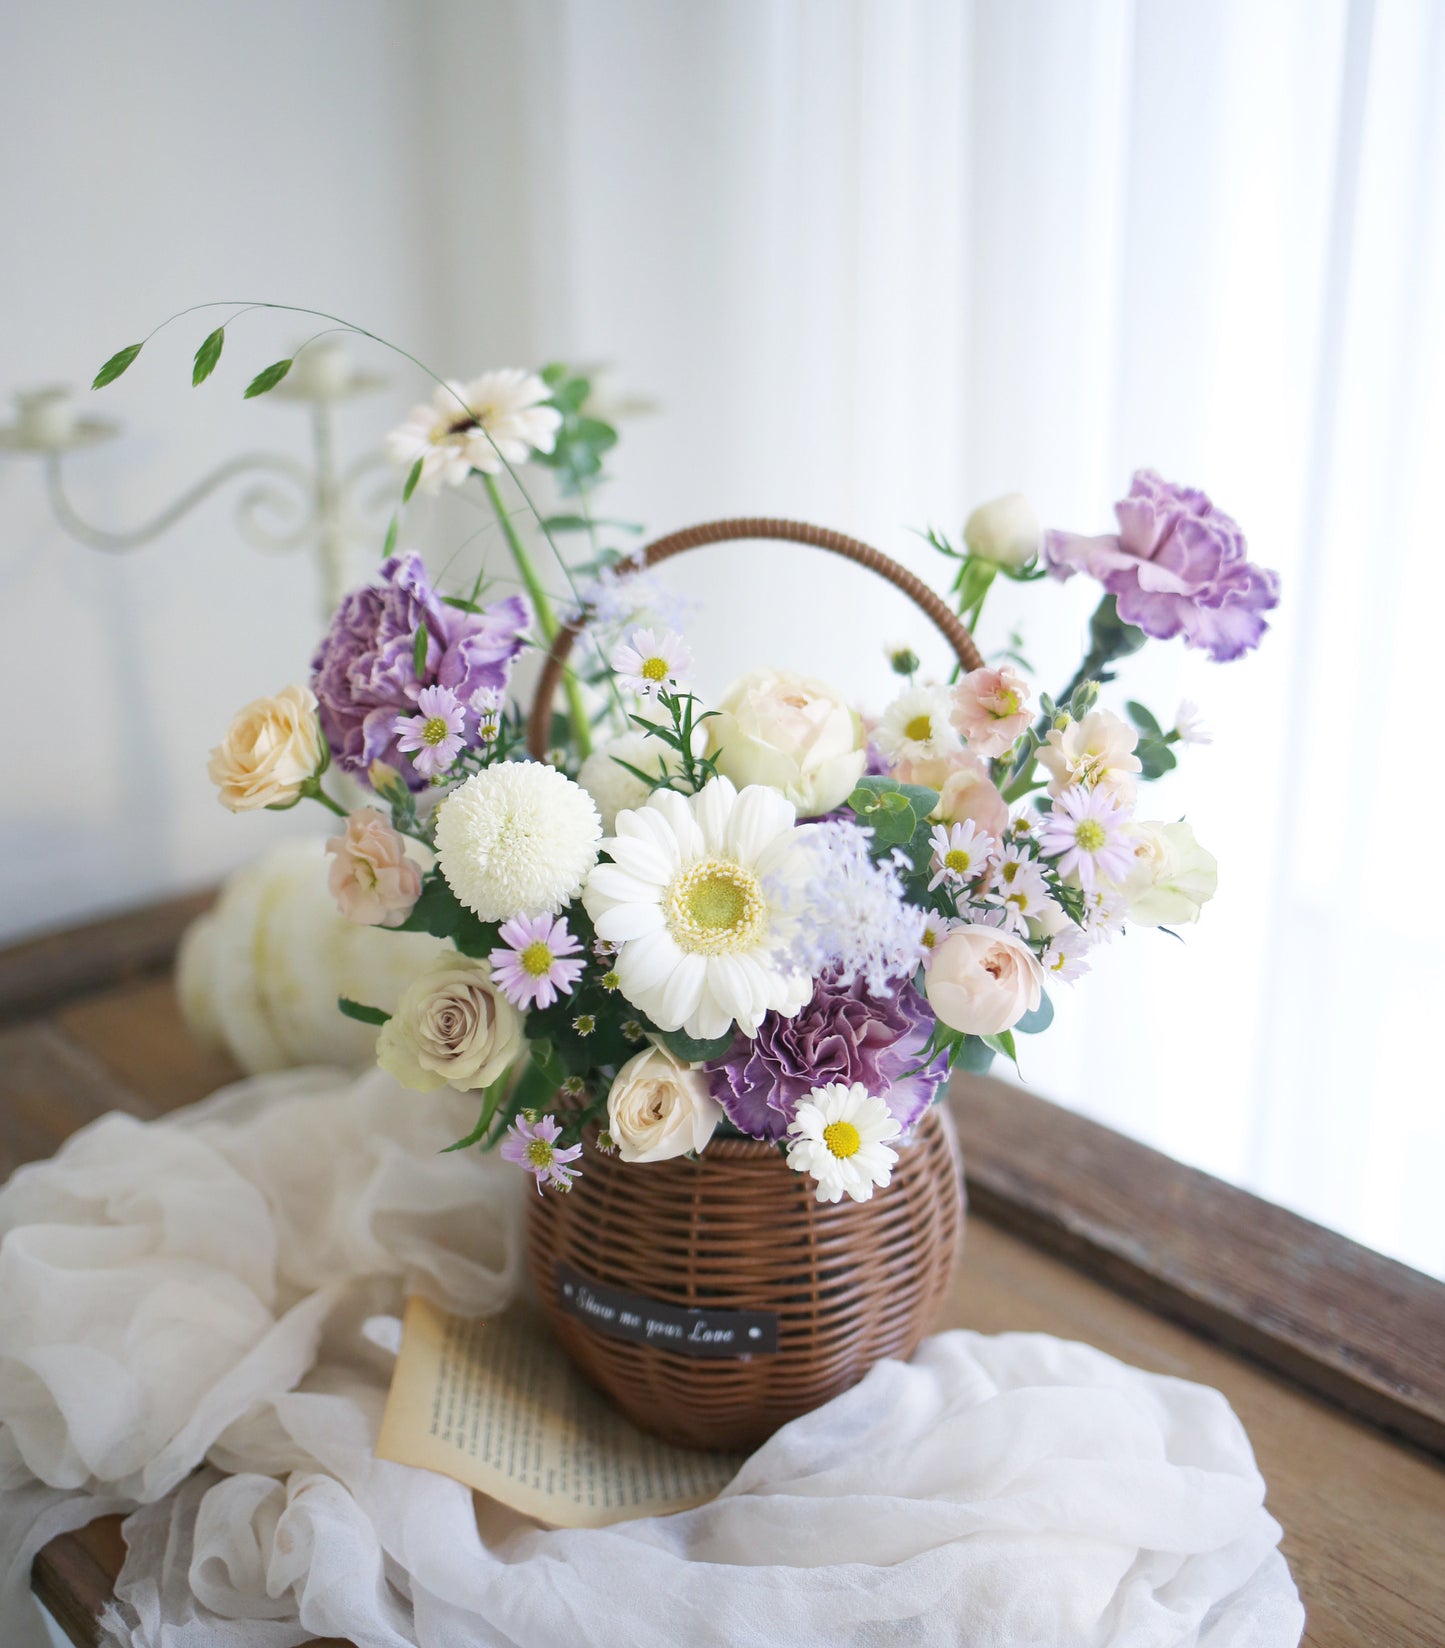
<point>364,672</point>
<point>1176,567</point>
<point>844,1034</point>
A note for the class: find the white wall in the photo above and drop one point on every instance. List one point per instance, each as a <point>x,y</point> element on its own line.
<point>877,259</point>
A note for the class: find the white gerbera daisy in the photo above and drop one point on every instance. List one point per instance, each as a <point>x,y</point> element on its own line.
<point>916,727</point>
<point>838,1133</point>
<point>517,839</point>
<point>698,898</point>
<point>476,425</point>
<point>648,663</point>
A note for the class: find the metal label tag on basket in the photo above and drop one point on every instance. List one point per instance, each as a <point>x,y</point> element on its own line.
<point>622,1315</point>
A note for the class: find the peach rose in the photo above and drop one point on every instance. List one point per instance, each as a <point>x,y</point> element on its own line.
<point>271,751</point>
<point>983,980</point>
<point>968,792</point>
<point>991,709</point>
<point>372,880</point>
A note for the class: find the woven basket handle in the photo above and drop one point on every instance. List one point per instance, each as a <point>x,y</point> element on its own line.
<point>539,722</point>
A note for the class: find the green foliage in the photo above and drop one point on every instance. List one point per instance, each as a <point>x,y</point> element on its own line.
<point>582,442</point>
<point>207,356</point>
<point>691,1049</point>
<point>361,1012</point>
<point>692,770</point>
<point>896,813</point>
<point>492,1098</point>
<point>974,1056</point>
<point>267,379</point>
<point>117,364</point>
<point>1032,1024</point>
<point>1143,719</point>
<point>413,475</point>
<point>389,544</point>
<point>419,643</point>
<point>1003,1043</point>
<point>436,912</point>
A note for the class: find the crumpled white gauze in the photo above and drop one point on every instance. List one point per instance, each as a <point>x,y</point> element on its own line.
<point>219,1290</point>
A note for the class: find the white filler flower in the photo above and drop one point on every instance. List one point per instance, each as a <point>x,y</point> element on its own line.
<point>498,416</point>
<point>837,1136</point>
<point>517,839</point>
<point>699,897</point>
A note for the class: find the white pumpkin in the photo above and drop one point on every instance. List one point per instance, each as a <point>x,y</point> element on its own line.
<point>258,975</point>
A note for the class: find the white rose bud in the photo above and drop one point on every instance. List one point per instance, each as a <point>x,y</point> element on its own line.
<point>1173,876</point>
<point>450,1029</point>
<point>798,735</point>
<point>272,749</point>
<point>1005,531</point>
<point>659,1107</point>
<point>983,980</point>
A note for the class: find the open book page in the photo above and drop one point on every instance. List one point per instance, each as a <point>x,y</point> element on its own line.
<point>496,1405</point>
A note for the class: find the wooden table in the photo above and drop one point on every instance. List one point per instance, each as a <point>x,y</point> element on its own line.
<point>1073,1231</point>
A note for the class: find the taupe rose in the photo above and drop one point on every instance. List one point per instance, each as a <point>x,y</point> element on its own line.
<point>450,1028</point>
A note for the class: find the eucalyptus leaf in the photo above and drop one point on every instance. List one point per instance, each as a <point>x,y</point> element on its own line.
<point>207,356</point>
<point>117,364</point>
<point>1143,719</point>
<point>975,1056</point>
<point>267,379</point>
<point>1155,759</point>
<point>1031,1024</point>
<point>692,1049</point>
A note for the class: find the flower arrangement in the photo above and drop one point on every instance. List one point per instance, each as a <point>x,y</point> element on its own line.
<point>768,915</point>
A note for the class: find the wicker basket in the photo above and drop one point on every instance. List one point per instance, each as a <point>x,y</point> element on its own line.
<point>715,1299</point>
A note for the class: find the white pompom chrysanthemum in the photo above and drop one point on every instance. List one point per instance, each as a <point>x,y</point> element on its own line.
<point>517,839</point>
<point>611,785</point>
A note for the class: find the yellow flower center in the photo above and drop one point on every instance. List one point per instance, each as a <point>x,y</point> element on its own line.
<point>1058,965</point>
<point>930,938</point>
<point>1010,870</point>
<point>1005,704</point>
<point>434,731</point>
<point>714,907</point>
<point>1090,834</point>
<point>843,1139</point>
<point>539,1153</point>
<point>920,728</point>
<point>958,860</point>
<point>654,669</point>
<point>537,959</point>
<point>612,980</point>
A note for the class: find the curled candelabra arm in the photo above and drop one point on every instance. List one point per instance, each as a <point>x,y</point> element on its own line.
<point>248,464</point>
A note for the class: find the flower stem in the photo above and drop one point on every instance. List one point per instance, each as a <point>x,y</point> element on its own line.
<point>542,605</point>
<point>318,794</point>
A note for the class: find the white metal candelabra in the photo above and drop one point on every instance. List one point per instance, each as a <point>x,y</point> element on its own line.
<point>290,506</point>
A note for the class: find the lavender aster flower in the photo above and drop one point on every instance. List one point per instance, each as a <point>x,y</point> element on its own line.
<point>533,1145</point>
<point>364,672</point>
<point>1176,567</point>
<point>844,1035</point>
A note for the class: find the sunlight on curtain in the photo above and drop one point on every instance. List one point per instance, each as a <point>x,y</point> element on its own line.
<point>879,261</point>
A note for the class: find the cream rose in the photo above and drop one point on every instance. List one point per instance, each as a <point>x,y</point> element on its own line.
<point>450,1028</point>
<point>1173,876</point>
<point>983,980</point>
<point>659,1107</point>
<point>1005,531</point>
<point>270,751</point>
<point>795,734</point>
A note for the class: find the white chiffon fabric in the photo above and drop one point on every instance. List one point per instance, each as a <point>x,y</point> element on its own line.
<point>198,1319</point>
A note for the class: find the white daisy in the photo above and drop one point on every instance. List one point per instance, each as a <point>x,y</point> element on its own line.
<point>936,928</point>
<point>517,839</point>
<point>837,1136</point>
<point>699,898</point>
<point>648,663</point>
<point>1020,891</point>
<point>476,425</point>
<point>916,727</point>
<point>1188,728</point>
<point>1063,956</point>
<point>961,852</point>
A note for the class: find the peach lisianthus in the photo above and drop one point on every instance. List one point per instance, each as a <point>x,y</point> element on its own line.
<point>991,709</point>
<point>371,878</point>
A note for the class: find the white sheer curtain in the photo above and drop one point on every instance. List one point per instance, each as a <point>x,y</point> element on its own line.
<point>880,260</point>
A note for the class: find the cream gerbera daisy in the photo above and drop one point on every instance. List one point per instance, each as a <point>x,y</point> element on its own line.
<point>698,899</point>
<point>498,416</point>
<point>916,727</point>
<point>838,1135</point>
<point>517,839</point>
